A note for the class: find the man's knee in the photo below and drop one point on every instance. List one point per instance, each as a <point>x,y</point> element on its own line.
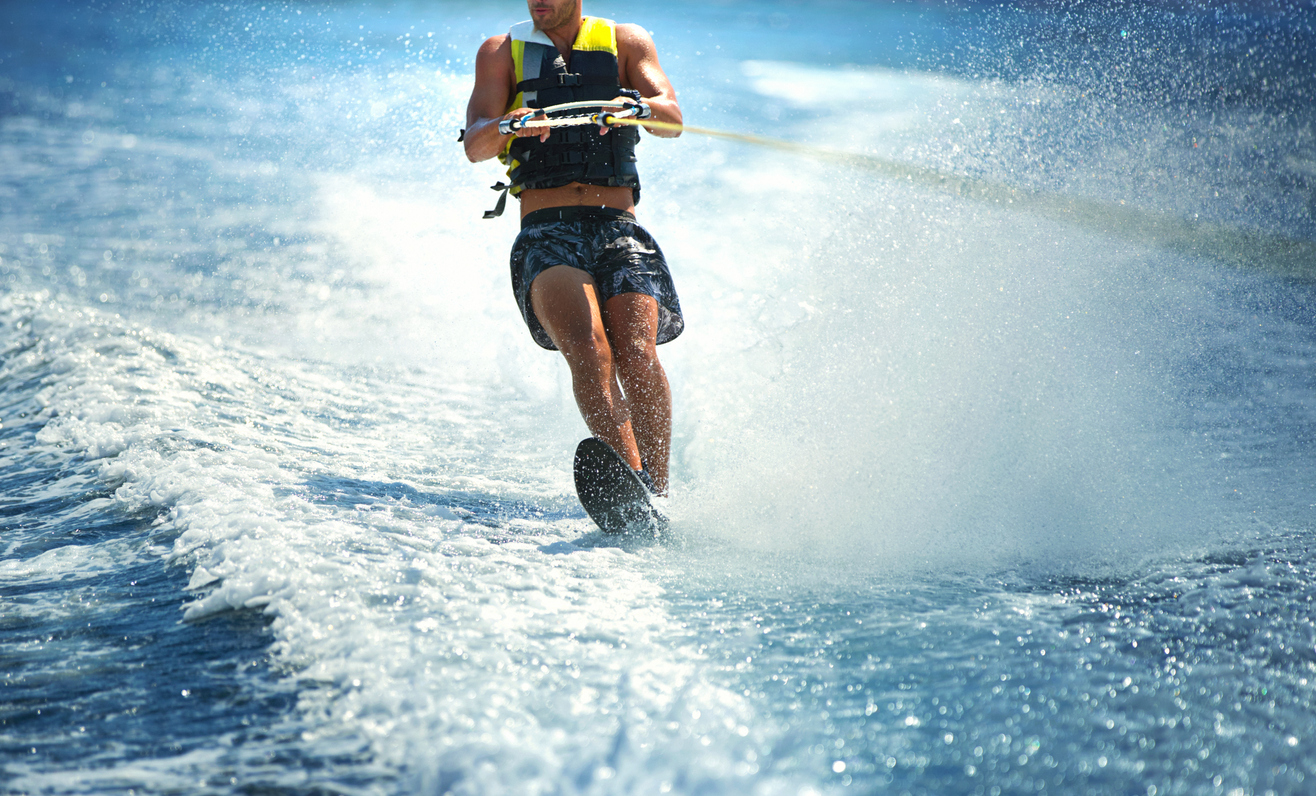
<point>635,354</point>
<point>583,342</point>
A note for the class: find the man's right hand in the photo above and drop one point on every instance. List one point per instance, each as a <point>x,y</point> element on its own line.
<point>541,133</point>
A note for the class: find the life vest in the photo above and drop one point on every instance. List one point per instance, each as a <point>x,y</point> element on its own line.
<point>571,154</point>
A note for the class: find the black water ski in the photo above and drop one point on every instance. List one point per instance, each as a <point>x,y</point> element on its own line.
<point>613,496</point>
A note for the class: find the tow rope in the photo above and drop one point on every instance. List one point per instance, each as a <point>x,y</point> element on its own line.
<point>1234,245</point>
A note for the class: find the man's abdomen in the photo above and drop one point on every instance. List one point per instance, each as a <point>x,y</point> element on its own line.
<point>577,194</point>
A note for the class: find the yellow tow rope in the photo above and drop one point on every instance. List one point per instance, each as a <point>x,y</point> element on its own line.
<point>745,137</point>
<point>1239,246</point>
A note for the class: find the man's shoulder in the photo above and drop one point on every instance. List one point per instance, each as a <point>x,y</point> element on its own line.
<point>633,36</point>
<point>493,44</point>
<point>630,30</point>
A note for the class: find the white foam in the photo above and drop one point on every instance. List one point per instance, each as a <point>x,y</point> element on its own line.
<point>502,663</point>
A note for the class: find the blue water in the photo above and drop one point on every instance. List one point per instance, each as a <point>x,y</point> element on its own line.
<point>970,497</point>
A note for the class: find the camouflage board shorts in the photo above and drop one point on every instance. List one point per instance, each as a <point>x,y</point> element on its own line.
<point>620,255</point>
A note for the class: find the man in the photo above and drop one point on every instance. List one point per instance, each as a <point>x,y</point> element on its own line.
<point>590,282</point>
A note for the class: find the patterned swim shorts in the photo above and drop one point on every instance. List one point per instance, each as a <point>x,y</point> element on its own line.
<point>607,244</point>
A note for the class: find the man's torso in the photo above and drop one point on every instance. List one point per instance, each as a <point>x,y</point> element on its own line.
<point>578,194</point>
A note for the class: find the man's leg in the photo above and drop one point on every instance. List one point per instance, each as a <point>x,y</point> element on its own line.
<point>631,320</point>
<point>567,306</point>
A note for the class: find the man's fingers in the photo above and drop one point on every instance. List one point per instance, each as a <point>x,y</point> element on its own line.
<point>521,116</point>
<point>541,133</point>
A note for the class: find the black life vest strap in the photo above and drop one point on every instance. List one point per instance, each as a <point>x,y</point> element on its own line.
<point>502,200</point>
<point>563,80</point>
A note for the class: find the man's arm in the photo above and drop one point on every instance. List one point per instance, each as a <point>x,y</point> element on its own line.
<point>640,70</point>
<point>494,84</point>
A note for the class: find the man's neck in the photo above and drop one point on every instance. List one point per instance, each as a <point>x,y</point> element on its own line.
<point>563,36</point>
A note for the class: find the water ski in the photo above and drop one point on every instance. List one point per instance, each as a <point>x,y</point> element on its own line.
<point>613,496</point>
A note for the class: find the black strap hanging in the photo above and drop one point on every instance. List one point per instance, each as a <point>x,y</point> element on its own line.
<point>502,200</point>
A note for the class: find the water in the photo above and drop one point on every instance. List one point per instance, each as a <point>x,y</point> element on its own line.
<point>969,498</point>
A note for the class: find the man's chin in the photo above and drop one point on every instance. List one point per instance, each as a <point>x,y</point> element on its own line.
<point>551,22</point>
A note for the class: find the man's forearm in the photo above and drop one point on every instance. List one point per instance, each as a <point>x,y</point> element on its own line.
<point>483,140</point>
<point>664,109</point>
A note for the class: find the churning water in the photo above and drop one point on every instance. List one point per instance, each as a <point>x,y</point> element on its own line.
<point>992,490</point>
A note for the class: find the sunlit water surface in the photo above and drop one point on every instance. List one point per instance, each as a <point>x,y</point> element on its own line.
<point>967,499</point>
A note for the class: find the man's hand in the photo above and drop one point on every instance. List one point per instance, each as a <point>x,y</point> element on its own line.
<point>628,103</point>
<point>541,133</point>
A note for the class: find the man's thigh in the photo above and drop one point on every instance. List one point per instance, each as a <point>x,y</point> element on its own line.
<point>631,320</point>
<point>566,302</point>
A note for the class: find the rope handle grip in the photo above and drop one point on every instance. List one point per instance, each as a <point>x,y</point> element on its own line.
<point>509,126</point>
<point>639,110</point>
<point>629,110</point>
